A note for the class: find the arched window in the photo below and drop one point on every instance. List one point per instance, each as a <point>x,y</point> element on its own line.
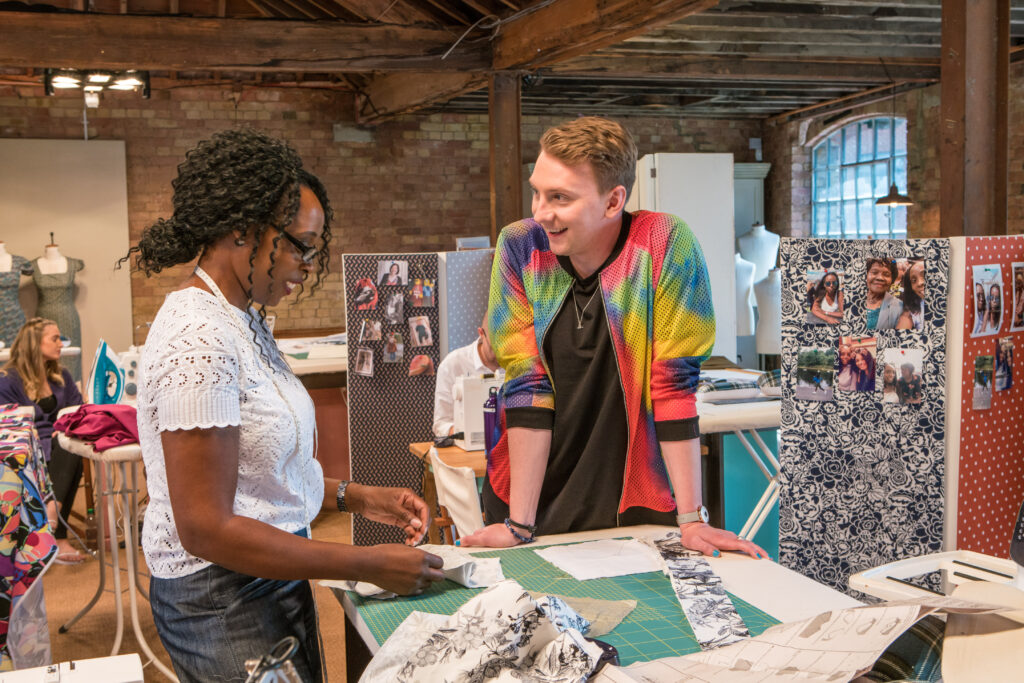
<point>851,169</point>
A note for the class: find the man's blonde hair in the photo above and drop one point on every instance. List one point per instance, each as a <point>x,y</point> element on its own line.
<point>606,145</point>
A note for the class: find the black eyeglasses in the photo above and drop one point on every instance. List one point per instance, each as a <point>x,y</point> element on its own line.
<point>306,252</point>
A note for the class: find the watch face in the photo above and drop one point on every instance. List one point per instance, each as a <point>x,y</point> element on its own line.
<point>703,512</point>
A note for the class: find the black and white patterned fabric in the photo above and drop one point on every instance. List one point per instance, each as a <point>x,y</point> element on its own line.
<point>390,409</point>
<point>702,597</point>
<point>862,480</point>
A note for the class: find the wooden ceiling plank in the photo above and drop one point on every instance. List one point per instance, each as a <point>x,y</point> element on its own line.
<point>180,43</point>
<point>446,9</point>
<point>300,8</point>
<point>568,28</point>
<point>258,6</point>
<point>388,96</point>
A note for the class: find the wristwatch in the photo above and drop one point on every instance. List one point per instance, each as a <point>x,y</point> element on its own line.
<point>698,515</point>
<point>340,496</point>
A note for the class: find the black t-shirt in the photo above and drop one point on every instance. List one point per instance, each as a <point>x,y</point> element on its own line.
<point>583,481</point>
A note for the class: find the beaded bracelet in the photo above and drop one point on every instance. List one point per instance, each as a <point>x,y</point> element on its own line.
<point>519,537</point>
<point>532,528</point>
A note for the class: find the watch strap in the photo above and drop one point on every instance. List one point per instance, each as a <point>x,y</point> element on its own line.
<point>340,496</point>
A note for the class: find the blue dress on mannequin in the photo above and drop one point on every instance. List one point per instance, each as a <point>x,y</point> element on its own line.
<point>57,302</point>
<point>11,315</point>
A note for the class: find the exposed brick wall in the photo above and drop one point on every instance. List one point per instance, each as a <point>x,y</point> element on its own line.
<point>420,182</point>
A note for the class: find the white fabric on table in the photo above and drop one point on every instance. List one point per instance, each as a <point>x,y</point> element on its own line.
<point>600,559</point>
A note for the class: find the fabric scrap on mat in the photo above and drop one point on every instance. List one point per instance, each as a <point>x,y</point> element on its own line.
<point>705,603</point>
<point>604,615</point>
<point>601,559</point>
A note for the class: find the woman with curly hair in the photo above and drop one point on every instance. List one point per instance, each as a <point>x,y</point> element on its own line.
<point>34,377</point>
<point>228,432</point>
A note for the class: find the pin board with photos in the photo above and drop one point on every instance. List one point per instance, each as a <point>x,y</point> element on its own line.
<point>393,353</point>
<point>990,476</point>
<point>863,415</point>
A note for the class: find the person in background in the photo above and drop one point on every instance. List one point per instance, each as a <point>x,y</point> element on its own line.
<point>476,358</point>
<point>909,386</point>
<point>980,308</point>
<point>865,369</point>
<point>995,304</point>
<point>883,308</point>
<point>227,430</point>
<point>846,379</point>
<point>34,377</point>
<point>614,309</point>
<point>912,297</point>
<point>828,301</point>
<point>393,276</point>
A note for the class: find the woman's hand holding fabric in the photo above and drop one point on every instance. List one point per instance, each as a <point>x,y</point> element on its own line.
<point>403,570</point>
<point>709,540</point>
<point>391,505</point>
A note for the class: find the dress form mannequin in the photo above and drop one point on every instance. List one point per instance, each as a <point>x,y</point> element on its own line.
<point>761,247</point>
<point>769,308</point>
<point>54,277</point>
<point>744,297</point>
<point>12,267</point>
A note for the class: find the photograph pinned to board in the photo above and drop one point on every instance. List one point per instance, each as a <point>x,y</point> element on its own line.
<point>419,331</point>
<point>815,373</point>
<point>911,293</point>
<point>394,348</point>
<point>421,293</point>
<point>982,383</point>
<point>1017,319</point>
<point>883,308</point>
<point>394,309</point>
<point>365,295</point>
<point>364,362</point>
<point>390,273</point>
<point>825,300</point>
<point>907,365</point>
<point>369,330</point>
<point>421,365</point>
<point>856,364</point>
<point>988,299</point>
<point>1004,364</point>
<point>889,377</point>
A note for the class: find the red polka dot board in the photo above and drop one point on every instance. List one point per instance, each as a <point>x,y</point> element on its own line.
<point>990,481</point>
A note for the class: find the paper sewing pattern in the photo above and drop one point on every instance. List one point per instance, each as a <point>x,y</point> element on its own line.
<point>862,475</point>
<point>701,596</point>
<point>501,634</point>
<point>604,558</point>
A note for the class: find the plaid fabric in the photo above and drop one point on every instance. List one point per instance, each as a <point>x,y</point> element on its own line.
<point>771,378</point>
<point>914,656</point>
<point>708,384</point>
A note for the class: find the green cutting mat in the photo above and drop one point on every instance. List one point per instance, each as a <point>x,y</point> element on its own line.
<point>656,628</point>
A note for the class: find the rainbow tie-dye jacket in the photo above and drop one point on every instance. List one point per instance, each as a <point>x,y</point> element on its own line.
<point>658,303</point>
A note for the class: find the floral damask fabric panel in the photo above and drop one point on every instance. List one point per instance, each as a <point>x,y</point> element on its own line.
<point>702,597</point>
<point>502,634</point>
<point>862,476</point>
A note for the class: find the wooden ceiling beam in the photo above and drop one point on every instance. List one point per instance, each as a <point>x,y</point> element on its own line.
<point>727,67</point>
<point>388,96</point>
<point>178,43</point>
<point>780,49</point>
<point>568,28</point>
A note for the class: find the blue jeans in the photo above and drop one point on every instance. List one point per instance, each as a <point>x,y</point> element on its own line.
<point>212,621</point>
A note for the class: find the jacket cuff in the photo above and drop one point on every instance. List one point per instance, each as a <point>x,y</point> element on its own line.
<point>678,430</point>
<point>531,418</point>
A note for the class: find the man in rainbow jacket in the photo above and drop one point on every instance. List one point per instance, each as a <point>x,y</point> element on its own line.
<point>601,320</point>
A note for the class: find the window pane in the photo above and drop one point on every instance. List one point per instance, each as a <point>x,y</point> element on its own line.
<point>866,211</point>
<point>849,183</point>
<point>833,150</point>
<point>819,219</point>
<point>899,221</point>
<point>821,155</point>
<point>884,138</point>
<point>863,181</point>
<point>835,225</point>
<point>882,214</point>
<point>901,136</point>
<point>820,185</point>
<point>881,169</point>
<point>867,141</point>
<point>850,145</point>
<point>833,184</point>
<point>899,172</point>
<point>850,219</point>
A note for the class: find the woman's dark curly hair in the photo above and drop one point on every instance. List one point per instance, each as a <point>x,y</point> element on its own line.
<point>238,180</point>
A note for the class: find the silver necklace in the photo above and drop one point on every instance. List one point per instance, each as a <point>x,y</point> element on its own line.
<point>576,306</point>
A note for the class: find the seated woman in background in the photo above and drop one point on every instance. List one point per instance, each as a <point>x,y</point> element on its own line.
<point>34,377</point>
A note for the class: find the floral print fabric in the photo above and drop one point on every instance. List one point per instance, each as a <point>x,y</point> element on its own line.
<point>502,634</point>
<point>707,607</point>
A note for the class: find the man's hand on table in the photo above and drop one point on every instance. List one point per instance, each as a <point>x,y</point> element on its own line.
<point>392,505</point>
<point>493,536</point>
<point>709,540</point>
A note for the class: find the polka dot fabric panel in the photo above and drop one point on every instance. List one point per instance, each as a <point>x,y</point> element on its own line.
<point>862,480</point>
<point>467,281</point>
<point>991,482</point>
<point>389,410</point>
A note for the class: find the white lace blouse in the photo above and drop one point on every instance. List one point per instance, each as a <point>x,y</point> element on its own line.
<point>200,371</point>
